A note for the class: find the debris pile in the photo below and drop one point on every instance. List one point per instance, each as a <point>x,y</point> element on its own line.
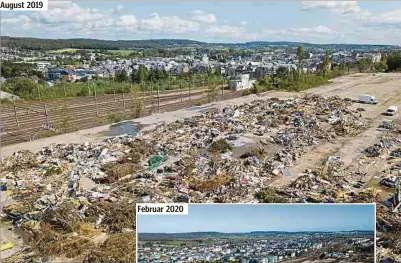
<point>76,200</point>
<point>388,235</point>
<point>388,125</point>
<point>385,143</point>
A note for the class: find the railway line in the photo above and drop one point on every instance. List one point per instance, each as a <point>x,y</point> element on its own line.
<point>23,121</point>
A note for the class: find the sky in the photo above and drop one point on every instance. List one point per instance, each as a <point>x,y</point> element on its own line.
<point>357,22</point>
<point>245,218</point>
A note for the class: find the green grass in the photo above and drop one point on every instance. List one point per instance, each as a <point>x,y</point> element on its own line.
<point>32,91</point>
<point>174,243</point>
<point>122,52</point>
<point>64,50</point>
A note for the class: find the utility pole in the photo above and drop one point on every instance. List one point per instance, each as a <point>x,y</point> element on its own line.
<point>181,90</point>
<point>158,99</point>
<point>222,88</point>
<point>169,79</point>
<point>40,99</point>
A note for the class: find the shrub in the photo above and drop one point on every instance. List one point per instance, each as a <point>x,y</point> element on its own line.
<point>221,146</point>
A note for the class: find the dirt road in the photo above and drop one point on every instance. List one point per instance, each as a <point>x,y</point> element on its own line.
<point>387,90</point>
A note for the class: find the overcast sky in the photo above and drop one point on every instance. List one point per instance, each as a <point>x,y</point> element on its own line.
<point>246,218</point>
<point>368,22</point>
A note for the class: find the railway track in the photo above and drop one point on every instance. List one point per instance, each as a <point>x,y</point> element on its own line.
<point>30,121</point>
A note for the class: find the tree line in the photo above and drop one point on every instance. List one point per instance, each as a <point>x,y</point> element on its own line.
<point>394,62</point>
<point>52,44</point>
<point>13,70</point>
<point>298,80</point>
<point>143,74</point>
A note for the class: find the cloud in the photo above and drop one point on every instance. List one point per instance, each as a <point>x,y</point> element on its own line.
<point>60,4</point>
<point>236,33</point>
<point>200,16</point>
<point>23,20</point>
<point>167,24</point>
<point>226,30</point>
<point>117,9</point>
<point>243,23</point>
<point>127,21</point>
<point>302,31</point>
<point>312,30</point>
<point>388,19</point>
<point>65,13</point>
<point>369,35</point>
<point>343,7</point>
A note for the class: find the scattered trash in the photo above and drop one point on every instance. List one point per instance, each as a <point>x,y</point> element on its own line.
<point>68,192</point>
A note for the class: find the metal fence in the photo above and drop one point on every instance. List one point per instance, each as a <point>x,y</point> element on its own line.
<point>21,121</point>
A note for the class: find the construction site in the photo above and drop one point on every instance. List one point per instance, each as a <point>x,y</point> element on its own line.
<point>71,197</point>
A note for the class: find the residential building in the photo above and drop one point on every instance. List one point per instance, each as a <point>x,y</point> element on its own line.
<point>42,64</point>
<point>240,82</point>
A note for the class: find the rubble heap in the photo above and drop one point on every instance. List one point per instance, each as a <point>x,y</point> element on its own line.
<point>388,235</point>
<point>78,199</point>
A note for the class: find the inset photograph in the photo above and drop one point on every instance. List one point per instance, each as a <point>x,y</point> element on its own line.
<point>310,233</point>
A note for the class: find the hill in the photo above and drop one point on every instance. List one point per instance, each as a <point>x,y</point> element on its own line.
<point>255,234</point>
<point>84,43</point>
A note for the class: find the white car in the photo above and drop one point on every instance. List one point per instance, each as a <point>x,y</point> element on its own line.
<point>392,110</point>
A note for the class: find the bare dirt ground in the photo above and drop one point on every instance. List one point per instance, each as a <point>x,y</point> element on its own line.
<point>387,90</point>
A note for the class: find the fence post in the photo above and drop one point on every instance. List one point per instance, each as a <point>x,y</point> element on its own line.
<point>158,99</point>
<point>65,92</point>
<point>123,97</point>
<point>181,90</point>
<point>46,115</point>
<point>115,98</point>
<point>189,90</point>
<point>169,84</point>
<point>144,95</point>
<point>222,89</point>
<point>151,95</point>
<point>65,97</point>
<point>15,112</point>
<point>40,99</point>
<point>89,89</point>
<point>97,111</point>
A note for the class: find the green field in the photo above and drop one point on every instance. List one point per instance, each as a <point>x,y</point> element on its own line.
<point>174,243</point>
<point>122,52</point>
<point>64,50</point>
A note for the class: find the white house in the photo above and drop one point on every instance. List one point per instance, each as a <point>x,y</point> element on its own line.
<point>240,82</point>
<point>374,57</point>
<point>43,64</point>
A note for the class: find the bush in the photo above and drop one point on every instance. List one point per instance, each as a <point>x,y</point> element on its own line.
<point>268,195</point>
<point>220,146</point>
<point>303,82</point>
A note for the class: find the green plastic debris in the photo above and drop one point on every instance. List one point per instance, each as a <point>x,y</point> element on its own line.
<point>154,162</point>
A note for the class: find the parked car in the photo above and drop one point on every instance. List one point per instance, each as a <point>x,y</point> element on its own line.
<point>368,99</point>
<point>392,110</point>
